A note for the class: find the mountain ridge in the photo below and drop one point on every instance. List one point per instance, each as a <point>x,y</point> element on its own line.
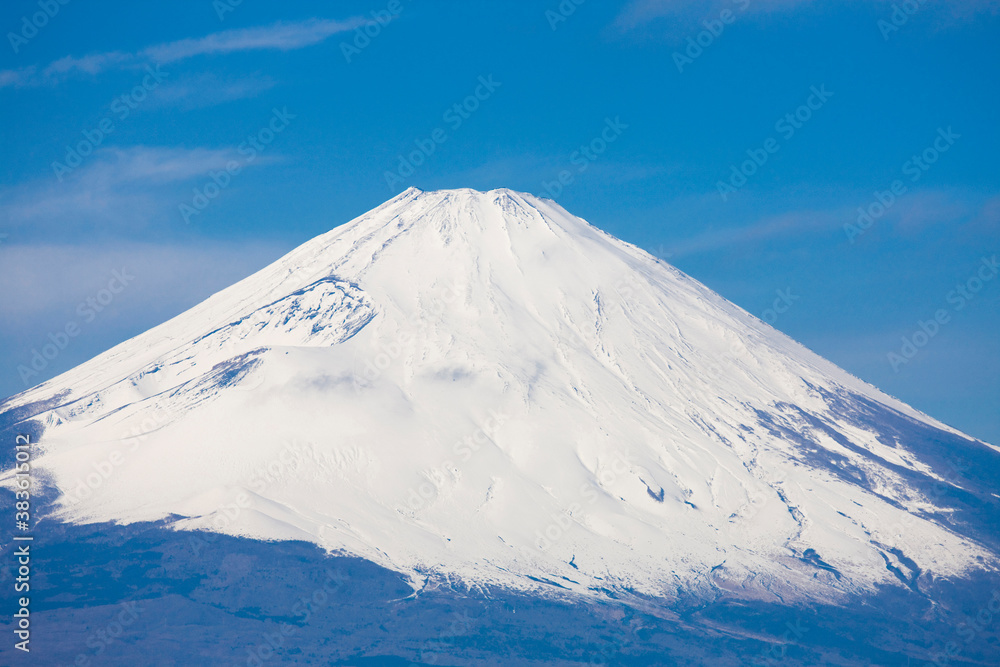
<point>609,405</point>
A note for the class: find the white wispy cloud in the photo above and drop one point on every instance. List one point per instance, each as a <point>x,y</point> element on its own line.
<point>43,284</point>
<point>277,36</point>
<point>17,77</point>
<point>205,89</point>
<point>784,225</point>
<point>154,164</point>
<point>638,13</point>
<point>92,64</point>
<point>916,211</point>
<point>910,215</point>
<point>123,188</point>
<point>173,271</point>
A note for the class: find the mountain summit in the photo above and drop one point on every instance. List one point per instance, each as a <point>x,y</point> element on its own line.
<point>479,387</point>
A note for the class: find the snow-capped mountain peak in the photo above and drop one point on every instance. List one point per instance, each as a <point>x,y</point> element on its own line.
<point>481,387</point>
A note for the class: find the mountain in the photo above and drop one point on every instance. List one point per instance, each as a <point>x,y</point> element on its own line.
<point>479,390</point>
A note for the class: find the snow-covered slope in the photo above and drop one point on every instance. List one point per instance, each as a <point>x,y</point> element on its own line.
<point>482,387</point>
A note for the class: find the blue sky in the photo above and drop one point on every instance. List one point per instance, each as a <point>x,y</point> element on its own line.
<point>823,107</point>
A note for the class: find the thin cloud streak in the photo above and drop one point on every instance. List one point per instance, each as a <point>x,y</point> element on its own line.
<point>174,270</point>
<point>638,13</point>
<point>783,225</point>
<point>122,187</point>
<point>17,77</point>
<point>277,37</point>
<point>94,63</point>
<point>208,89</point>
<point>911,215</point>
<point>168,279</point>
